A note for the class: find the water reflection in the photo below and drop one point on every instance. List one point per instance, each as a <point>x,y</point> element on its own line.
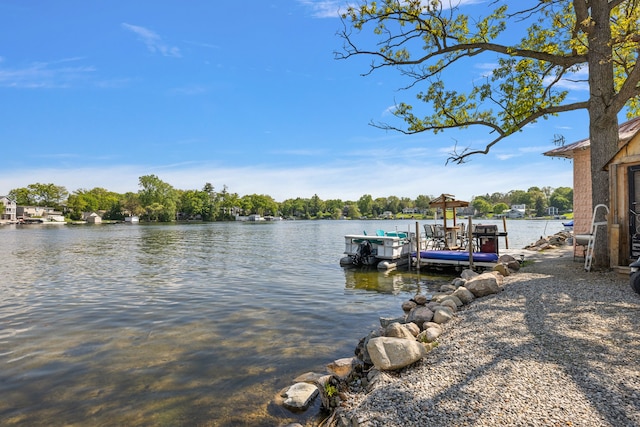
<point>392,282</point>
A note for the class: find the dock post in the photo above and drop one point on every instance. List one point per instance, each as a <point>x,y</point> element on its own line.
<point>470,243</point>
<point>504,226</point>
<point>417,246</point>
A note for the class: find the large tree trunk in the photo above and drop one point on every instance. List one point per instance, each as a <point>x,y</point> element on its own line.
<point>604,139</point>
<point>603,122</point>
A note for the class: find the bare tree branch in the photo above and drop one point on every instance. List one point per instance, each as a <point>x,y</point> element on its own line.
<point>462,157</point>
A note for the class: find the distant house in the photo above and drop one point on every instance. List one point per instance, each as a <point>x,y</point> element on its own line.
<point>92,217</point>
<point>624,191</point>
<point>467,211</point>
<point>9,213</point>
<point>516,211</point>
<point>250,218</point>
<point>24,212</point>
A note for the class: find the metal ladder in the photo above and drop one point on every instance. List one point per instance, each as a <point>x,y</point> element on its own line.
<point>588,257</point>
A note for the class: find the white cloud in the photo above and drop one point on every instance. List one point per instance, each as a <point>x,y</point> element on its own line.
<point>46,75</point>
<point>153,41</point>
<point>389,110</point>
<point>325,8</point>
<point>572,82</point>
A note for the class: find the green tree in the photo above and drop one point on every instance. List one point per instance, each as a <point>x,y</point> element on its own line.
<point>405,202</point>
<point>379,206</point>
<point>365,205</point>
<point>259,204</point>
<point>40,195</point>
<point>562,198</point>
<point>353,211</point>
<point>77,204</point>
<point>334,207</point>
<point>540,204</point>
<point>228,203</point>
<point>294,208</point>
<point>22,196</point>
<point>498,208</point>
<point>393,204</point>
<point>422,202</point>
<point>158,198</point>
<point>316,205</point>
<point>520,197</point>
<point>211,203</point>
<point>102,199</point>
<point>560,38</point>
<point>481,205</point>
<point>131,204</point>
<point>193,203</point>
<point>497,198</point>
<point>96,199</point>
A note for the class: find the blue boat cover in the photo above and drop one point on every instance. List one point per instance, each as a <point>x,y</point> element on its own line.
<point>458,256</point>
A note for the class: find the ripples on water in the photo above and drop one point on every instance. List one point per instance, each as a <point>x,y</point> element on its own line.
<point>195,324</point>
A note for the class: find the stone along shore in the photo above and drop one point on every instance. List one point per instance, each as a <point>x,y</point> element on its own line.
<point>556,347</point>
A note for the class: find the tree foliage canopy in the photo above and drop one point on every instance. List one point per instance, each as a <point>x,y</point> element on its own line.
<point>561,39</point>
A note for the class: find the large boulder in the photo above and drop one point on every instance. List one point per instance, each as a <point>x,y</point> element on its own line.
<point>447,288</point>
<point>448,303</point>
<point>386,321</point>
<point>299,395</point>
<point>394,353</point>
<point>361,348</point>
<point>409,305</point>
<point>483,285</point>
<point>442,314</point>
<point>502,269</point>
<point>412,327</point>
<point>511,263</point>
<point>457,301</point>
<point>468,274</point>
<point>458,281</point>
<point>419,315</point>
<point>396,330</point>
<point>433,325</point>
<point>431,332</point>
<point>342,368</point>
<point>421,299</point>
<point>464,295</point>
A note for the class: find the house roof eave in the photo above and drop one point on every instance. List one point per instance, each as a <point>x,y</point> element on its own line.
<point>626,132</point>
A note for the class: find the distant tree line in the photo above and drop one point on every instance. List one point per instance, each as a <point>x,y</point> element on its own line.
<point>537,200</point>
<point>159,201</point>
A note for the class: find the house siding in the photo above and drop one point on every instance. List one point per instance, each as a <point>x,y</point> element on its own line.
<point>582,211</point>
<point>9,209</point>
<point>619,217</point>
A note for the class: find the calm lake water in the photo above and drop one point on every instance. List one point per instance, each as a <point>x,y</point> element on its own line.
<point>186,324</point>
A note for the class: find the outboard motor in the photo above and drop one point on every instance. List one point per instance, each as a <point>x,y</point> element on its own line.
<point>634,275</point>
<point>363,252</point>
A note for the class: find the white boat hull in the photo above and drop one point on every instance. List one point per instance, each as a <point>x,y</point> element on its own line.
<point>386,252</point>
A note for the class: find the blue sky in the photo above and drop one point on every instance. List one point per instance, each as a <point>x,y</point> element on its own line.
<point>99,93</point>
